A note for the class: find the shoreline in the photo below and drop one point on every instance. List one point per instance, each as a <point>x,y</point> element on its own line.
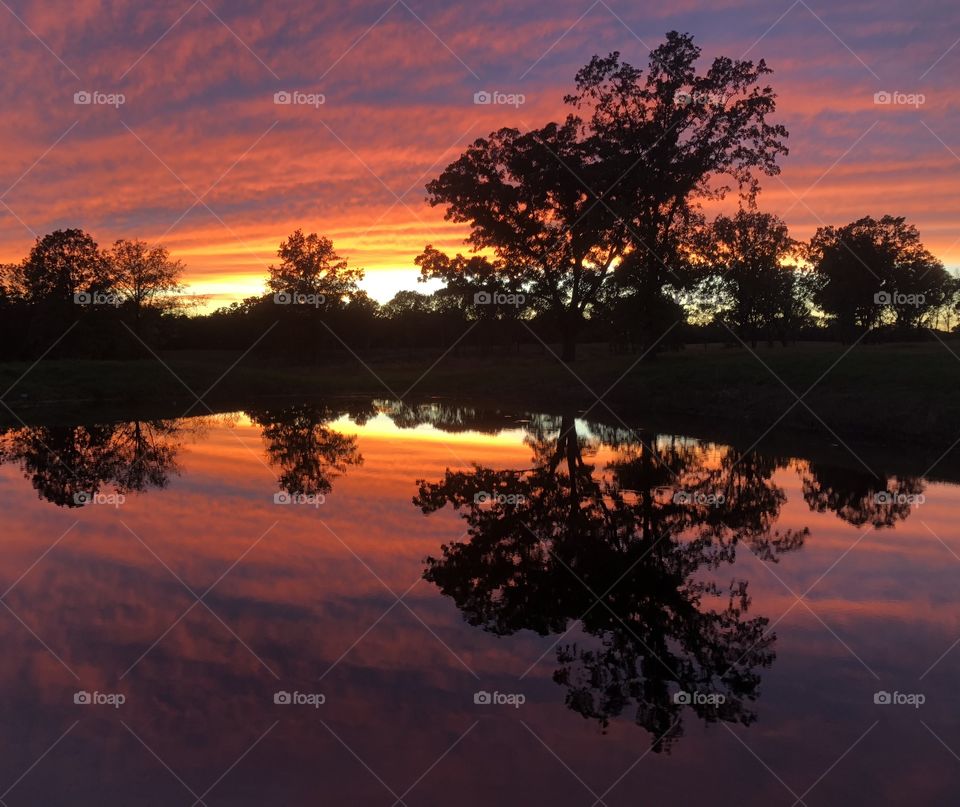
<point>876,400</point>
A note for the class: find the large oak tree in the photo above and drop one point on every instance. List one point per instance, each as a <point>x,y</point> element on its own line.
<point>615,182</point>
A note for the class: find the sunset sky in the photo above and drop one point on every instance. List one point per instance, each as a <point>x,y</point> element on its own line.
<point>199,118</point>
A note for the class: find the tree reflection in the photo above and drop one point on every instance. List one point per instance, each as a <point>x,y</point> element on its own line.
<point>307,452</point>
<point>447,417</point>
<point>627,551</point>
<point>68,464</point>
<point>860,498</point>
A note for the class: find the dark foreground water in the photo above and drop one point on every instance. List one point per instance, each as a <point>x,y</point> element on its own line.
<point>370,604</point>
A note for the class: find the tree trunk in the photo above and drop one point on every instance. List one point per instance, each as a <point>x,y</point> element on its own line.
<point>570,324</point>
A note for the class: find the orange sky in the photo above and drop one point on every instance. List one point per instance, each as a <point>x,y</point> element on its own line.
<point>198,117</point>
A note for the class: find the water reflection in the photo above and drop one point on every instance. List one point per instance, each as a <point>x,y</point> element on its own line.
<point>449,417</point>
<point>67,465</point>
<point>301,444</point>
<point>632,551</point>
<point>858,497</point>
<point>598,573</point>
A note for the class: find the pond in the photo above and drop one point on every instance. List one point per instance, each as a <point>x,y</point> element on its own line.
<point>368,602</point>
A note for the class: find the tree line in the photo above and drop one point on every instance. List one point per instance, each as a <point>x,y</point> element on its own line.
<point>587,229</point>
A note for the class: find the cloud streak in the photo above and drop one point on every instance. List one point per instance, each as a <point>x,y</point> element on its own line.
<point>398,82</point>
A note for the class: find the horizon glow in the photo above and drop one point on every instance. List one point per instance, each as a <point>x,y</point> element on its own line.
<point>199,157</point>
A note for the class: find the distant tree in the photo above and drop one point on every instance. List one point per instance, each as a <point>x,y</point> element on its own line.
<point>670,139</point>
<point>405,303</point>
<point>360,319</point>
<point>485,289</point>
<point>490,292</point>
<point>793,302</point>
<point>408,315</point>
<point>315,286</point>
<point>60,265</point>
<point>748,252</point>
<point>851,266</point>
<point>920,283</point>
<point>145,276</point>
<point>363,305</point>
<point>309,265</point>
<point>945,318</point>
<point>871,267</point>
<point>7,271</point>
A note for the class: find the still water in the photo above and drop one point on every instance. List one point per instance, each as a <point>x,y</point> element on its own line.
<point>366,603</point>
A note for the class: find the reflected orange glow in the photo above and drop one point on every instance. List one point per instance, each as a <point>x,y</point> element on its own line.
<point>308,594</point>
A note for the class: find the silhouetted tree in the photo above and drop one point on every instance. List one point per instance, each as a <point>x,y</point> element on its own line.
<point>309,265</point>
<point>749,252</point>
<point>489,292</point>
<point>792,302</point>
<point>409,316</point>
<point>529,198</point>
<point>669,139</point>
<point>145,277</point>
<point>64,268</point>
<point>567,203</point>
<point>60,265</point>
<point>870,267</point>
<point>313,285</point>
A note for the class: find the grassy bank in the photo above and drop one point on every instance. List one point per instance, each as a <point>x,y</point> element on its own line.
<point>884,394</point>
